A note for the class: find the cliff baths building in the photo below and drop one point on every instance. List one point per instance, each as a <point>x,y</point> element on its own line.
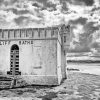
<point>34,55</point>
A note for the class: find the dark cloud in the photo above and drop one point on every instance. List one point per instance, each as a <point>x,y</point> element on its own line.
<point>45,3</point>
<point>19,6</point>
<point>18,12</point>
<point>50,5</point>
<point>10,2</point>
<point>13,1</point>
<point>88,2</point>
<point>64,6</point>
<point>36,5</point>
<point>81,2</point>
<point>1,2</point>
<point>41,1</point>
<point>24,21</point>
<point>78,21</point>
<point>95,9</point>
<point>90,28</point>
<point>20,20</point>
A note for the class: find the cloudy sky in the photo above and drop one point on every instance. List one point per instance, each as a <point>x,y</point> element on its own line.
<point>82,15</point>
<point>40,13</point>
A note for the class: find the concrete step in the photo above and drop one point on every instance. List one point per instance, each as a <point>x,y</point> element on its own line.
<point>6,82</point>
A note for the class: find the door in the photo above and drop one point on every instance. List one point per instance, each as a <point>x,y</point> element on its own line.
<point>14,60</point>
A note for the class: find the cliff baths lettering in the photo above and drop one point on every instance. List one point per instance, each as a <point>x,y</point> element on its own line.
<point>25,42</point>
<point>20,42</point>
<point>4,42</point>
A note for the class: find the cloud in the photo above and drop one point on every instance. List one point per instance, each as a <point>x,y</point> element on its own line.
<point>90,28</point>
<point>79,20</point>
<point>20,20</point>
<point>82,30</point>
<point>97,3</point>
<point>50,12</point>
<point>38,5</point>
<point>18,12</point>
<point>78,29</point>
<point>81,2</point>
<point>82,15</point>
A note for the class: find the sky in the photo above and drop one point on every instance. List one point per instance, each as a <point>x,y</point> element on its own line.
<point>82,15</point>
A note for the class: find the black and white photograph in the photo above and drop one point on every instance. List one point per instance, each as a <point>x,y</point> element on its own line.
<point>49,49</point>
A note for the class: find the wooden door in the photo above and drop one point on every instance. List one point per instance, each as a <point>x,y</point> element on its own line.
<point>14,60</point>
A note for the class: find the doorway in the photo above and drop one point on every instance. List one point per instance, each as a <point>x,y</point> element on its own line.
<point>14,60</point>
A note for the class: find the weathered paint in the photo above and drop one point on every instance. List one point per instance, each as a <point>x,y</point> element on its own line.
<point>41,55</point>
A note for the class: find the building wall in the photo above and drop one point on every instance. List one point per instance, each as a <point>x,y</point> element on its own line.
<point>42,58</point>
<point>64,64</point>
<point>31,33</point>
<point>40,55</point>
<point>4,59</point>
<point>61,61</point>
<point>39,58</point>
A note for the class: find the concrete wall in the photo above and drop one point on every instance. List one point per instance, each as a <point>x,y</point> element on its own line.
<point>37,58</point>
<point>4,59</point>
<point>64,64</point>
<point>41,56</point>
<point>61,62</point>
<point>30,33</point>
<point>39,62</point>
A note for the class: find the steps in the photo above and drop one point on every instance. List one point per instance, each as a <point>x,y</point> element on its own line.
<point>6,82</point>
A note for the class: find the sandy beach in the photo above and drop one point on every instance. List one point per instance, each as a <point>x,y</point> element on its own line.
<point>77,86</point>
